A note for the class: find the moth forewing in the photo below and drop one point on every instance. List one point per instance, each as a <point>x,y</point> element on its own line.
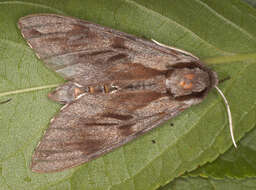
<point>119,87</point>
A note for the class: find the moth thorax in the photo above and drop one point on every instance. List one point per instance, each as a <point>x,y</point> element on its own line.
<point>187,81</point>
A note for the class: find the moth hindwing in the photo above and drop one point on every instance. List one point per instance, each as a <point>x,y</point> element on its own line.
<point>119,87</point>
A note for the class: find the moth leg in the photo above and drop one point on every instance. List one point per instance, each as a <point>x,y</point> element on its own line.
<point>67,93</point>
<point>176,49</point>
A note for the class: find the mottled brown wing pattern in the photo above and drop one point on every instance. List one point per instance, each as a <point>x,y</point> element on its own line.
<point>77,134</point>
<point>74,47</point>
<point>116,89</point>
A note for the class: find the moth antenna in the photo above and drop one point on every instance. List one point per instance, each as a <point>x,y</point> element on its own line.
<point>173,48</point>
<point>229,116</point>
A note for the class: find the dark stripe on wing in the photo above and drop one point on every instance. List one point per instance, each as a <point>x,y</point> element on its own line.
<point>117,57</point>
<point>117,116</point>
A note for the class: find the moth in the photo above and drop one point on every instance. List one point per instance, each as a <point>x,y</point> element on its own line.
<point>118,87</point>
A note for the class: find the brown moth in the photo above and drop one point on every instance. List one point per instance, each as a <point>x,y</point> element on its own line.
<point>118,87</point>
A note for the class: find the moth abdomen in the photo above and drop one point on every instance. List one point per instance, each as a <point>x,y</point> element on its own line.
<point>141,85</point>
<point>101,88</point>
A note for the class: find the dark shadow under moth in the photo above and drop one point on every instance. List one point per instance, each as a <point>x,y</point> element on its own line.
<point>118,87</point>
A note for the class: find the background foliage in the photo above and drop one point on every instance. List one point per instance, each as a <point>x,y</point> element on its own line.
<point>221,33</point>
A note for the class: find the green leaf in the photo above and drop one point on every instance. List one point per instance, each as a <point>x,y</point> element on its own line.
<point>199,183</point>
<point>251,2</point>
<point>225,40</point>
<point>238,163</point>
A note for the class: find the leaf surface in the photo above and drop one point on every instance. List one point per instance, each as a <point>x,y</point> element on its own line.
<point>224,40</point>
<point>235,163</point>
<point>199,183</point>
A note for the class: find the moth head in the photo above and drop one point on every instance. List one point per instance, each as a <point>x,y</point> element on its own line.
<point>66,93</point>
<point>187,81</point>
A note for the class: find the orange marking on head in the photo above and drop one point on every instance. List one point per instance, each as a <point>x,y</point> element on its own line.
<point>186,85</point>
<point>190,76</point>
<point>182,83</point>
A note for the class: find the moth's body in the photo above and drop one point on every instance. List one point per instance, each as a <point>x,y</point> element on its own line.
<point>118,87</point>
<point>175,83</point>
<point>128,86</point>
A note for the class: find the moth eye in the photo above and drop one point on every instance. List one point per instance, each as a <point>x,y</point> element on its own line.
<point>187,83</point>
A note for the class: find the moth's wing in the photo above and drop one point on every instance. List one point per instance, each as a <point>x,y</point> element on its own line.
<point>76,48</point>
<point>96,124</point>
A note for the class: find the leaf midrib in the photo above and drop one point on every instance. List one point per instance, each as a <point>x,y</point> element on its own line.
<point>25,90</point>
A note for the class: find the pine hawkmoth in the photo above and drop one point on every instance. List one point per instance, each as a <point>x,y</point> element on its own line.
<point>118,87</point>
